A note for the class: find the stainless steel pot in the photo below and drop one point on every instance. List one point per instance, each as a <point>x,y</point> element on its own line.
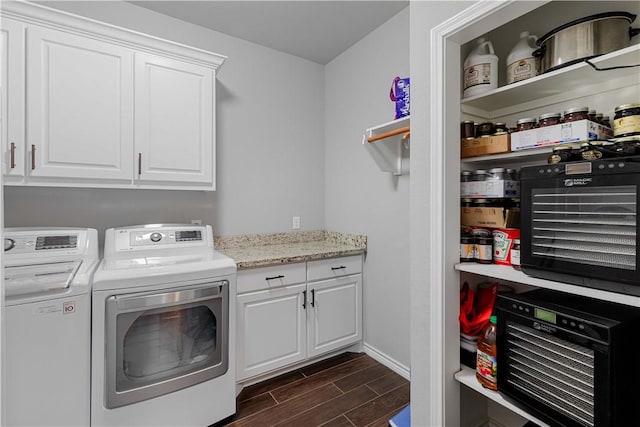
<point>585,38</point>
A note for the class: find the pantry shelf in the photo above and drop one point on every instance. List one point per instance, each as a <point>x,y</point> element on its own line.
<point>512,275</point>
<point>467,376</point>
<point>388,144</point>
<point>532,155</point>
<point>580,77</point>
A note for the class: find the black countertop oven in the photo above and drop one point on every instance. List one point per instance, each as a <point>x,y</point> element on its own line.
<point>570,360</point>
<point>579,223</point>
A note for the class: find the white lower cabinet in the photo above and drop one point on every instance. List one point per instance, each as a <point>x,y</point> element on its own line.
<point>284,316</point>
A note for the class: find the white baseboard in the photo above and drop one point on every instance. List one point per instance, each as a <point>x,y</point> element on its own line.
<point>387,361</point>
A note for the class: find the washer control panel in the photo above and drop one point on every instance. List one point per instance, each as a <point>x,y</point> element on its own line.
<point>148,237</point>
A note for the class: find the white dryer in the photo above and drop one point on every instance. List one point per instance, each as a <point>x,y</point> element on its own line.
<point>163,331</point>
<point>47,278</point>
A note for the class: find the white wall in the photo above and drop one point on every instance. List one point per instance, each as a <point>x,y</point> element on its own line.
<point>359,197</point>
<point>270,144</point>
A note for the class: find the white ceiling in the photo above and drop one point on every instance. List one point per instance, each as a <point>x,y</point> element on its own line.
<point>315,30</point>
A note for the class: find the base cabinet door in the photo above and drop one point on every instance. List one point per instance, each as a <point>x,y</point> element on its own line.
<point>79,107</point>
<point>335,316</point>
<point>271,330</point>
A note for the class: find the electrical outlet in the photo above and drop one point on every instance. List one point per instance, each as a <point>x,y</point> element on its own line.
<point>296,223</point>
<point>196,221</point>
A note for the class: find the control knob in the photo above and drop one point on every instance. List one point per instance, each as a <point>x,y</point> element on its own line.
<point>155,237</point>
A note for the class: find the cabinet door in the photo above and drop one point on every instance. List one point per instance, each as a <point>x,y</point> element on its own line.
<point>271,330</point>
<point>12,107</point>
<point>174,121</point>
<point>79,107</point>
<point>335,314</point>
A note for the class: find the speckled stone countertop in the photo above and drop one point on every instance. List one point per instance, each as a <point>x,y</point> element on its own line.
<point>259,250</point>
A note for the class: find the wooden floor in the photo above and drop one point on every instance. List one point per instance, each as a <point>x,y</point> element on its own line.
<point>348,390</point>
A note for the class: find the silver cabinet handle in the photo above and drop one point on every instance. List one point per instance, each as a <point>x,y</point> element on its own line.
<point>139,164</point>
<point>13,155</point>
<point>33,156</point>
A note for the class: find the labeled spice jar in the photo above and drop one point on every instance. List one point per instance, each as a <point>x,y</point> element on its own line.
<point>527,123</point>
<point>576,113</point>
<point>549,119</point>
<point>626,121</point>
<point>515,255</point>
<point>561,154</point>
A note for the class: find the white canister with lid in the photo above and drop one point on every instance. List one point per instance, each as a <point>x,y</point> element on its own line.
<point>480,69</point>
<point>521,63</point>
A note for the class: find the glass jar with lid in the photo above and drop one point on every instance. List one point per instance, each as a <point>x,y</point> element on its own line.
<point>592,115</point>
<point>560,154</point>
<point>486,128</point>
<point>512,174</point>
<point>527,123</point>
<point>628,147</point>
<point>599,118</point>
<point>465,176</point>
<point>594,150</point>
<point>500,129</point>
<point>549,119</point>
<point>480,175</point>
<point>626,121</point>
<point>497,173</point>
<point>576,113</point>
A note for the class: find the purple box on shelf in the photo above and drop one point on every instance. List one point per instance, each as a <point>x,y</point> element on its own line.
<point>400,95</point>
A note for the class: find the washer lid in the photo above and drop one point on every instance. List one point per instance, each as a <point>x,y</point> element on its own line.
<point>38,278</point>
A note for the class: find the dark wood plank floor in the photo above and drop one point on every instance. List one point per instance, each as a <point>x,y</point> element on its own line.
<point>350,389</point>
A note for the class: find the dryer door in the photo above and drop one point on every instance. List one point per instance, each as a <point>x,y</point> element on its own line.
<point>164,341</point>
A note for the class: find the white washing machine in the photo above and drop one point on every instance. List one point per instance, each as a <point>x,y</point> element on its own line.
<point>47,278</point>
<point>163,330</point>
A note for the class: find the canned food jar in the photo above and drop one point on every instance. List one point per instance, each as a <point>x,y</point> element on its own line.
<point>560,154</point>
<point>467,130</point>
<point>627,148</point>
<point>515,255</point>
<point>606,122</point>
<point>503,239</point>
<point>500,128</point>
<point>479,175</point>
<point>465,176</point>
<point>576,113</point>
<point>486,129</point>
<point>467,249</point>
<point>497,173</point>
<point>484,249</point>
<point>595,150</point>
<point>525,124</point>
<point>512,174</point>
<point>599,118</point>
<point>549,119</point>
<point>592,115</point>
<point>626,121</point>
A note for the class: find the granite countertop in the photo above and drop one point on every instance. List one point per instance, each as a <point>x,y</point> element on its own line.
<point>259,250</point>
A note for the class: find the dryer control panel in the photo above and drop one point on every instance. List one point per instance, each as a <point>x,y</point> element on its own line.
<point>152,237</point>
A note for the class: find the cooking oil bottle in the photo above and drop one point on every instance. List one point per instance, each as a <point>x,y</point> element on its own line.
<point>486,359</point>
<point>522,63</point>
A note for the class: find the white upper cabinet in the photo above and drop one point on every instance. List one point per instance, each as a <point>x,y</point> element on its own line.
<point>174,120</point>
<point>79,107</point>
<point>12,106</point>
<point>105,106</point>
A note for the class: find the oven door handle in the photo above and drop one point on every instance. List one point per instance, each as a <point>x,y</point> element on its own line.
<point>171,298</point>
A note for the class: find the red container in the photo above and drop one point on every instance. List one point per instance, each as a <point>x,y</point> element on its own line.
<point>502,243</point>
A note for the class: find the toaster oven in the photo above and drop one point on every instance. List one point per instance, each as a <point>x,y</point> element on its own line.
<point>579,223</point>
<point>570,360</point>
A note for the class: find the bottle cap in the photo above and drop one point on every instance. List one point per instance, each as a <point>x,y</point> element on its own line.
<point>493,319</point>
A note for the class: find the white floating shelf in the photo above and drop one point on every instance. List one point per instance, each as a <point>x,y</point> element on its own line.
<point>533,154</point>
<point>467,376</point>
<point>576,77</point>
<point>511,274</point>
<point>386,144</point>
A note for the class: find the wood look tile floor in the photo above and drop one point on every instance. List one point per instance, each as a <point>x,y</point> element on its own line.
<point>350,389</point>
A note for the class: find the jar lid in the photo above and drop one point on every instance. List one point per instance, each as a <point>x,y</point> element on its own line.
<point>479,172</point>
<point>549,116</point>
<point>596,143</point>
<point>592,112</point>
<point>465,173</point>
<point>500,124</point>
<point>497,170</point>
<point>627,106</point>
<point>526,120</point>
<point>511,170</point>
<point>599,115</point>
<point>468,121</point>
<point>562,147</point>
<point>584,144</point>
<point>576,110</point>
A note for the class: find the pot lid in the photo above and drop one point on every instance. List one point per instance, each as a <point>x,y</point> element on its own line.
<point>606,15</point>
